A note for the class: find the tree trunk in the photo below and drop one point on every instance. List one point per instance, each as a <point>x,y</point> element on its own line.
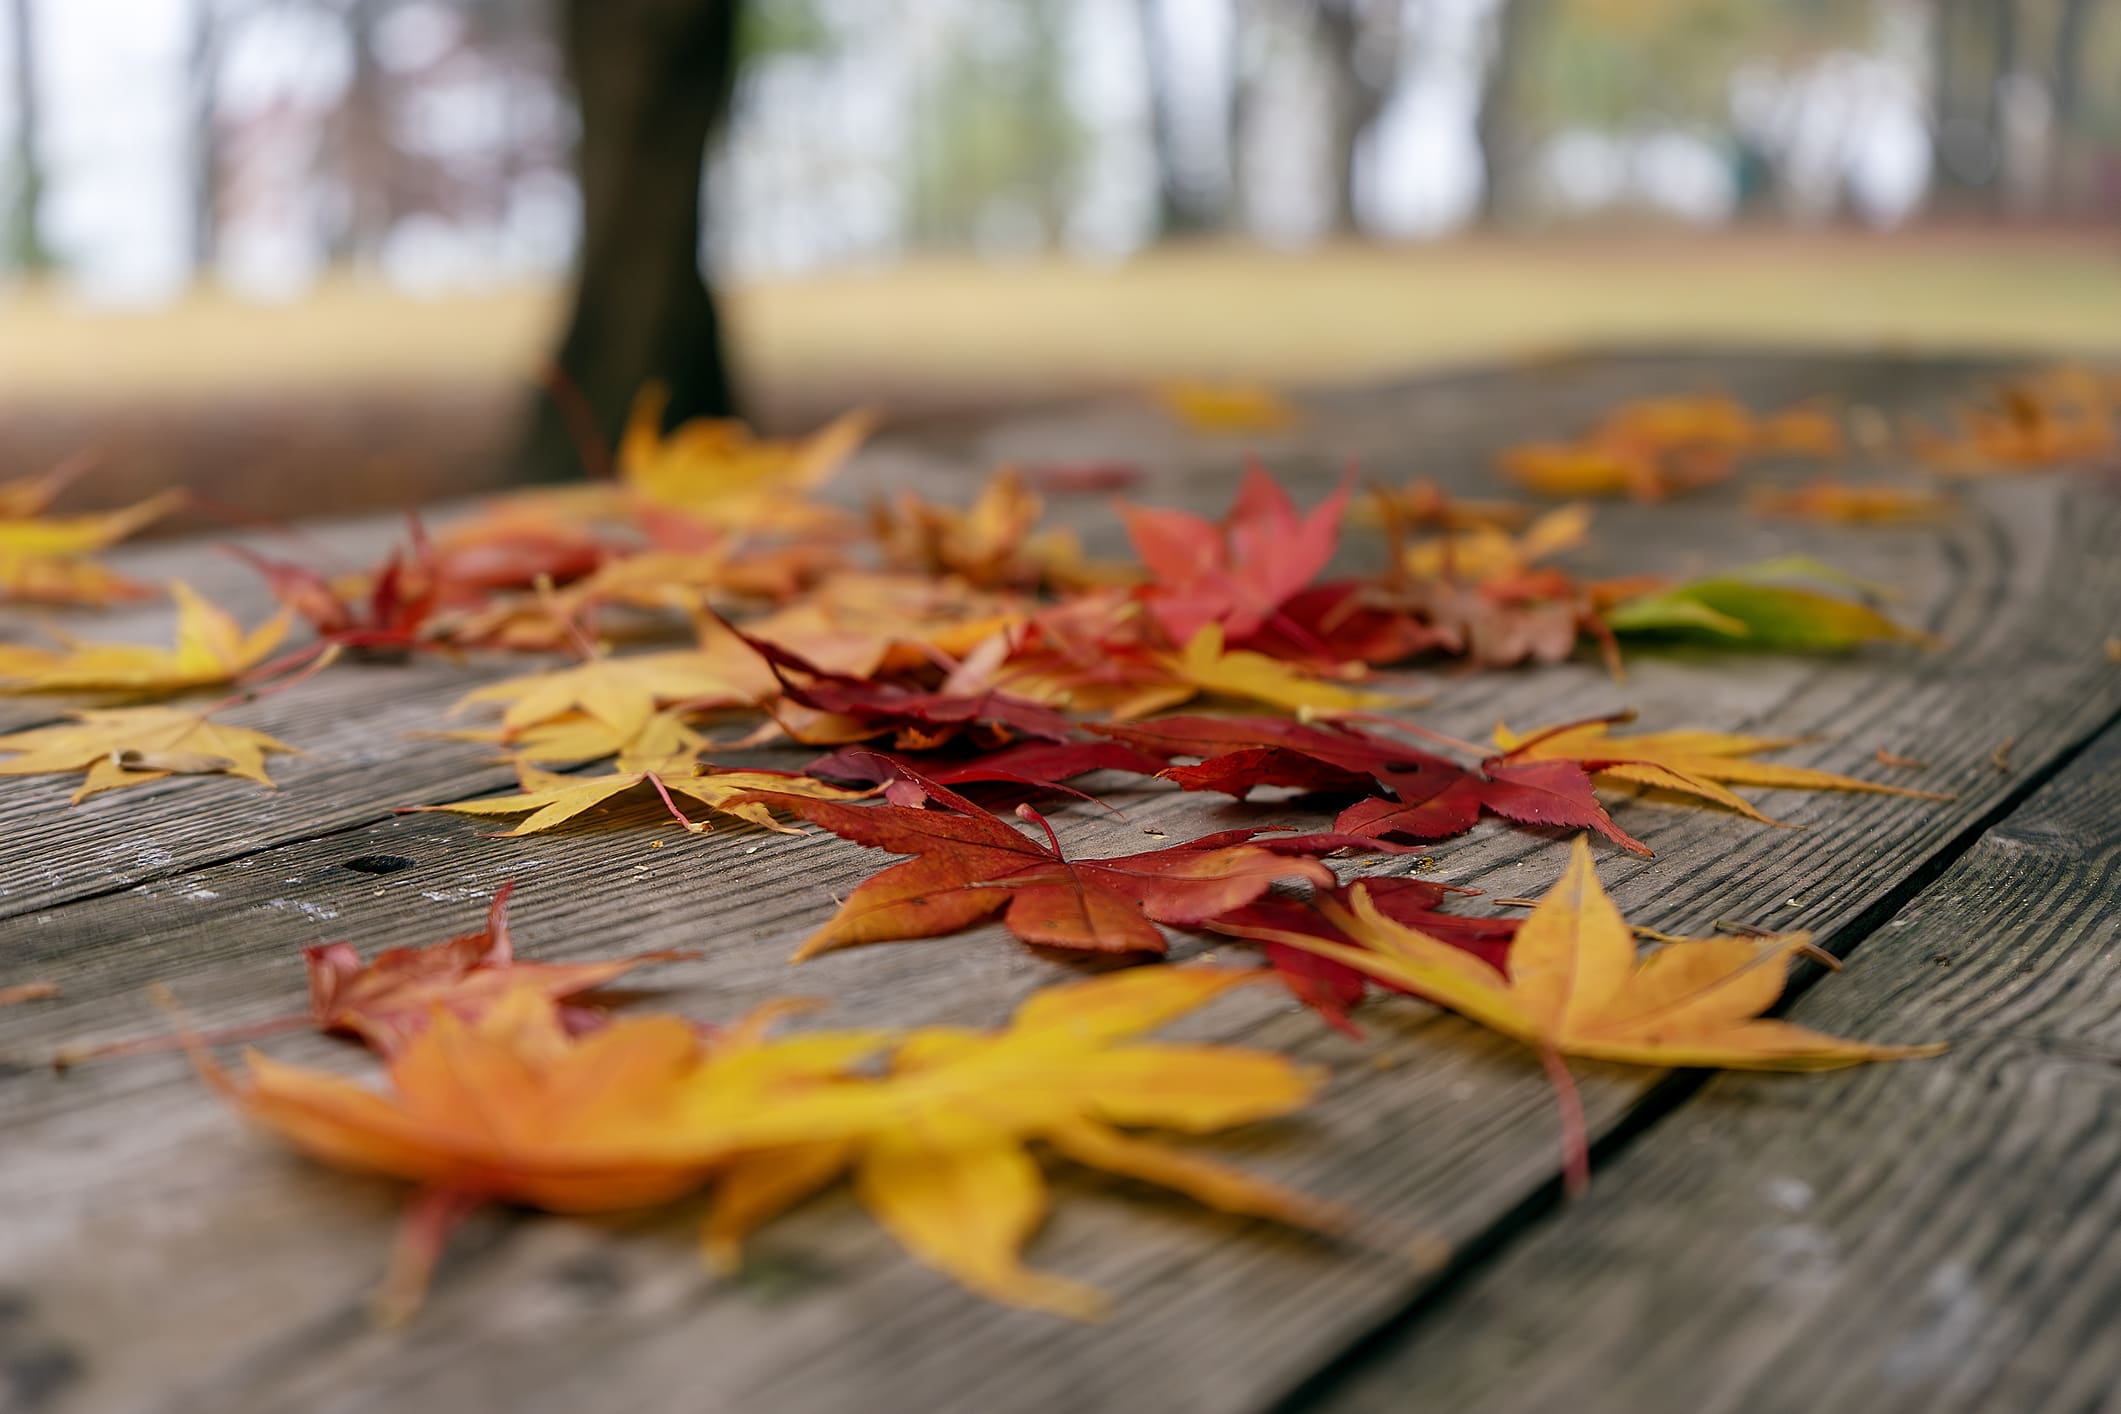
<point>652,78</point>
<point>1499,126</point>
<point>1356,92</point>
<point>24,235</point>
<point>1182,207</point>
<point>202,77</point>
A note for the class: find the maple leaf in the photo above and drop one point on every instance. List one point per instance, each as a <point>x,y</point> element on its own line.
<point>65,581</point>
<point>2056,418</point>
<point>513,1107</point>
<point>1484,554</point>
<point>1237,573</point>
<point>938,1147</point>
<point>989,543</point>
<point>43,539</point>
<point>209,648</point>
<point>1831,500</point>
<point>41,558</point>
<point>970,864</point>
<point>718,470</point>
<point>129,746</point>
<point>1575,987</point>
<point>400,600</point>
<point>624,692</point>
<point>865,624</point>
<point>551,799</point>
<point>1696,763</point>
<point>1748,609</point>
<point>1036,764</point>
<point>1331,988</point>
<point>1432,798</point>
<point>1205,665</point>
<point>856,709</point>
<point>387,1002</point>
<point>576,737</point>
<point>1225,407</point>
<point>390,1000</point>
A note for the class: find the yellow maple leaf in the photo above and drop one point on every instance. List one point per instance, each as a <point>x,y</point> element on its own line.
<point>551,799</point>
<point>1575,987</point>
<point>29,580</point>
<point>53,538</point>
<point>1696,763</point>
<point>209,648</point>
<point>1205,665</point>
<point>720,470</point>
<point>1484,553</point>
<point>937,1147</point>
<point>1226,407</point>
<point>130,746</point>
<point>576,737</point>
<point>624,693</point>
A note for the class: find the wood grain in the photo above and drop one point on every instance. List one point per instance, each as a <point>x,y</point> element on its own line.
<point>1433,1128</point>
<point>1929,1237</point>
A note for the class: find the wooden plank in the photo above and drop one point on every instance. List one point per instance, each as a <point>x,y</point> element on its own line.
<point>1449,1134</point>
<point>1934,1237</point>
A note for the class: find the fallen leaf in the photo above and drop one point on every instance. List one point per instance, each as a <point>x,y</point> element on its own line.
<point>552,799</point>
<point>38,538</point>
<point>1237,573</point>
<point>511,1107</point>
<point>27,992</point>
<point>1332,988</point>
<point>970,865</point>
<point>719,470</point>
<point>1575,987</point>
<point>1431,797</point>
<point>1701,764</point>
<point>1748,610</point>
<point>623,692</point>
<point>938,1151</point>
<point>858,709</point>
<point>209,648</point>
<point>130,746</point>
<point>1831,500</point>
<point>390,1000</point>
<point>1226,407</point>
<point>1205,665</point>
<point>1036,764</point>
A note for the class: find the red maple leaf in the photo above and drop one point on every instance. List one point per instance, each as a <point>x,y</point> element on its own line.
<point>1429,797</point>
<point>1033,764</point>
<point>969,864</point>
<point>921,718</point>
<point>1237,573</point>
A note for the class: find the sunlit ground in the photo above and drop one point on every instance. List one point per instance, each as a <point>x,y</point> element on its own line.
<point>942,334</point>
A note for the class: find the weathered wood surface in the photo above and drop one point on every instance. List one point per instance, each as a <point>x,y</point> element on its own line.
<point>1935,1237</point>
<point>155,1258</point>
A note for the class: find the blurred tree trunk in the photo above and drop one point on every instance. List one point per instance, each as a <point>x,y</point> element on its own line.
<point>1183,206</point>
<point>24,235</point>
<point>1499,126</point>
<point>653,78</point>
<point>202,100</point>
<point>1360,42</point>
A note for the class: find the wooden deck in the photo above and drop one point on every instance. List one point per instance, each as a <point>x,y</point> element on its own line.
<point>1933,1236</point>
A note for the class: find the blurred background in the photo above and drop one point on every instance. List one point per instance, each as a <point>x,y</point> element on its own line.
<point>313,254</point>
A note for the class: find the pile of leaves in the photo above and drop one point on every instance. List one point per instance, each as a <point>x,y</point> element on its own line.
<point>707,599</point>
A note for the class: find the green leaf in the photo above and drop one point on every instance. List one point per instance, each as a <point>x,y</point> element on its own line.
<point>1740,611</point>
